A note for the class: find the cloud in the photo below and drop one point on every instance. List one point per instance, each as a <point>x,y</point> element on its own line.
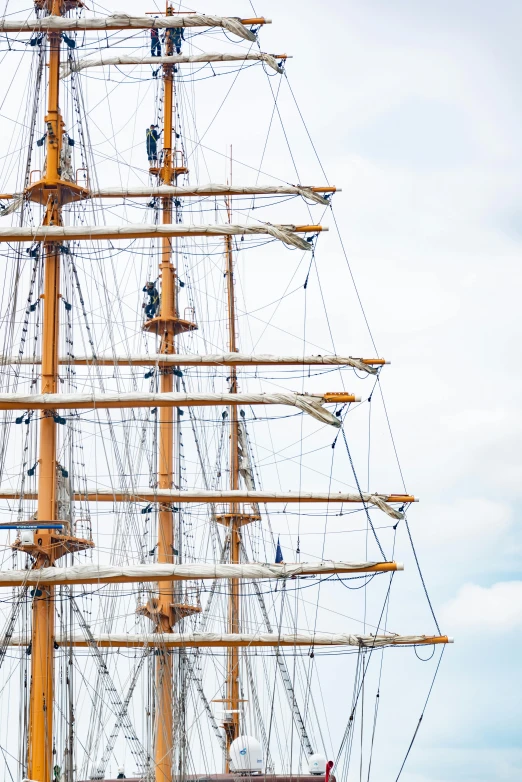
<point>461,541</point>
<point>498,606</point>
<point>477,521</point>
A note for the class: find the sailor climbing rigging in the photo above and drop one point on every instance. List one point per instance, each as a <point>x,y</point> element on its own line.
<point>152,143</point>
<point>151,307</point>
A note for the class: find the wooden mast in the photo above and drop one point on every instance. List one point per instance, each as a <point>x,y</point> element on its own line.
<point>40,740</point>
<point>48,547</point>
<point>232,722</point>
<point>164,728</point>
<point>166,612</point>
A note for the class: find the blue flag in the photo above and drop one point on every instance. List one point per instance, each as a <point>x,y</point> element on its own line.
<point>279,553</point>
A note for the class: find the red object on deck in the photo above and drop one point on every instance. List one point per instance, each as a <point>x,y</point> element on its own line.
<point>329,767</point>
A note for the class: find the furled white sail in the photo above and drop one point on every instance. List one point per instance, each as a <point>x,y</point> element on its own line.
<point>126,22</point>
<point>253,496</point>
<point>112,574</point>
<point>210,190</point>
<point>311,404</point>
<point>171,640</point>
<point>14,205</point>
<point>285,233</point>
<point>72,66</point>
<point>248,496</point>
<point>222,359</point>
<point>157,191</point>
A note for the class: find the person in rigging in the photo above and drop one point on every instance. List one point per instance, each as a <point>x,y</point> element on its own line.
<point>152,143</point>
<point>155,43</point>
<point>151,307</point>
<point>121,774</point>
<point>176,35</point>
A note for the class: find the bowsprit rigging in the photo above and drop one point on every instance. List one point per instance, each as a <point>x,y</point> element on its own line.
<point>156,624</point>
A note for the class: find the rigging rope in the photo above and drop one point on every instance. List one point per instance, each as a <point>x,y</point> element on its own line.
<point>421,576</point>
<point>368,517</point>
<point>421,716</point>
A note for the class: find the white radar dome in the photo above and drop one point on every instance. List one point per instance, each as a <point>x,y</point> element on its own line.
<point>246,755</point>
<point>317,764</point>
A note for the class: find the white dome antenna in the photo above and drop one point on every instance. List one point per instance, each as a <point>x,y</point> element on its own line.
<point>246,755</point>
<point>317,764</point>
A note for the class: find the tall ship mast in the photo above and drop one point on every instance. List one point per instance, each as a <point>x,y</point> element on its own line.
<point>186,471</point>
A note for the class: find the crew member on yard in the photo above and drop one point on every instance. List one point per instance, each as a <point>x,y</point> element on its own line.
<point>176,35</point>
<point>155,43</point>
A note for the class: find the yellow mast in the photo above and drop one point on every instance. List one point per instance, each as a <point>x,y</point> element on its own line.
<point>232,724</point>
<point>165,612</point>
<point>168,310</point>
<point>48,546</point>
<point>164,728</point>
<point>40,743</point>
<point>236,517</point>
